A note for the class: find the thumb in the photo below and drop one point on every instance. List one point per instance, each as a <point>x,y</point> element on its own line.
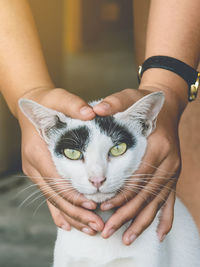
<point>117,102</point>
<point>69,104</point>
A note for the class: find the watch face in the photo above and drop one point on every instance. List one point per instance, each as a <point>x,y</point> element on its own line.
<point>194,89</point>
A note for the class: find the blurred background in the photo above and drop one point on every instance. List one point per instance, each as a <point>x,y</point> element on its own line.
<point>92,49</point>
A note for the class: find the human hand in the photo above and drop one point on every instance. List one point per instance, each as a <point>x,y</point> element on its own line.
<point>156,178</point>
<point>67,206</point>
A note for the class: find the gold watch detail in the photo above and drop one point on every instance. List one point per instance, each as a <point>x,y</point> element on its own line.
<point>194,89</point>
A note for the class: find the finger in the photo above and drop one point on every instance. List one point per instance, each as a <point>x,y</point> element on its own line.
<point>121,216</point>
<point>80,226</point>
<point>65,222</point>
<point>69,104</point>
<point>79,214</point>
<point>58,218</point>
<point>50,175</point>
<point>166,217</point>
<point>145,217</point>
<point>117,102</point>
<point>137,204</point>
<point>132,187</point>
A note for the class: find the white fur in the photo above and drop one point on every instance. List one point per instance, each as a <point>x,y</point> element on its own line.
<point>181,247</point>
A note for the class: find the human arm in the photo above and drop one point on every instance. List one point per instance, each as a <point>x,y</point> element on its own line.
<point>24,73</point>
<point>173,30</point>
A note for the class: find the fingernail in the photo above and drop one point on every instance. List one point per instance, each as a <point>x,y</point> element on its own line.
<point>104,105</point>
<point>110,232</point>
<point>66,227</point>
<point>162,238</point>
<point>94,226</point>
<point>107,206</point>
<point>86,110</point>
<point>87,205</point>
<point>130,239</point>
<point>87,230</point>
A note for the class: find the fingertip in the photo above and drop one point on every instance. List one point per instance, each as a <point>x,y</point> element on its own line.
<point>161,237</point>
<point>102,109</point>
<point>106,206</point>
<point>128,239</point>
<point>107,233</point>
<point>66,227</point>
<point>88,231</point>
<point>89,205</point>
<point>100,226</point>
<point>87,113</point>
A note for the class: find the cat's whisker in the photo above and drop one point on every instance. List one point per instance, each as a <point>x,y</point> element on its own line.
<point>157,168</point>
<point>26,188</point>
<point>26,199</point>
<point>41,177</point>
<point>150,178</point>
<point>75,198</point>
<point>148,183</point>
<point>157,185</point>
<point>35,185</point>
<point>137,191</point>
<point>43,194</point>
<point>47,199</point>
<point>152,192</point>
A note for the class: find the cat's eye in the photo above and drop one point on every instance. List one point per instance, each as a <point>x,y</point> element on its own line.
<point>118,150</point>
<point>72,154</point>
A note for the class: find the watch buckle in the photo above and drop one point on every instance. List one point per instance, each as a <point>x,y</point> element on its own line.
<point>194,88</point>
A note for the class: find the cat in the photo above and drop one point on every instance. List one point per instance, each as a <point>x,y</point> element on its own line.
<point>98,156</point>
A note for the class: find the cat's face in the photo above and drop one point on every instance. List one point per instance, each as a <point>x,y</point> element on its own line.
<point>97,156</point>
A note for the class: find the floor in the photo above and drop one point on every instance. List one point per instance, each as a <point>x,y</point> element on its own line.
<point>26,239</point>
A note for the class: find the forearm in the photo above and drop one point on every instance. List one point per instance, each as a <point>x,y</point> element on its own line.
<point>22,65</point>
<point>173,30</point>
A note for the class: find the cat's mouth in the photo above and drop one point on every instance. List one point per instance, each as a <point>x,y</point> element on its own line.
<point>99,197</point>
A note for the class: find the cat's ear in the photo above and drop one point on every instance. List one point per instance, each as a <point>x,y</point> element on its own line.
<point>47,121</point>
<point>144,112</point>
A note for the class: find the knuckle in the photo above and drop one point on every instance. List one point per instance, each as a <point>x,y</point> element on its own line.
<point>128,91</point>
<point>147,222</point>
<point>116,101</point>
<point>177,164</point>
<point>80,218</point>
<point>166,145</point>
<point>121,199</point>
<point>137,230</point>
<point>124,215</point>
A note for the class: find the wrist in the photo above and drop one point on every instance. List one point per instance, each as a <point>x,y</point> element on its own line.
<point>173,86</point>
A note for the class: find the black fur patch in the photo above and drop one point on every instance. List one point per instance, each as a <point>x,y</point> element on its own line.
<point>75,139</point>
<point>118,133</point>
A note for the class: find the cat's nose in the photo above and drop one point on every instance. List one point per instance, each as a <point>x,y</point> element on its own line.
<point>97,181</point>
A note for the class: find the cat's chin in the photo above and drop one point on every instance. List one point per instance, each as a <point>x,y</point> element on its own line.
<point>99,197</point>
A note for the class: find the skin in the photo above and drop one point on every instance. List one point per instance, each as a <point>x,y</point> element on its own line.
<point>24,74</point>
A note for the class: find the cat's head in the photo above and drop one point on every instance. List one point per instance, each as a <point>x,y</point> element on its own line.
<point>97,156</point>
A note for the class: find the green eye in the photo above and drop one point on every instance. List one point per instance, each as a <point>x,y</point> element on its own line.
<point>72,154</point>
<point>118,150</point>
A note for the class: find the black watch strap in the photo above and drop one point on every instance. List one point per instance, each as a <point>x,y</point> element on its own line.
<point>189,74</point>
